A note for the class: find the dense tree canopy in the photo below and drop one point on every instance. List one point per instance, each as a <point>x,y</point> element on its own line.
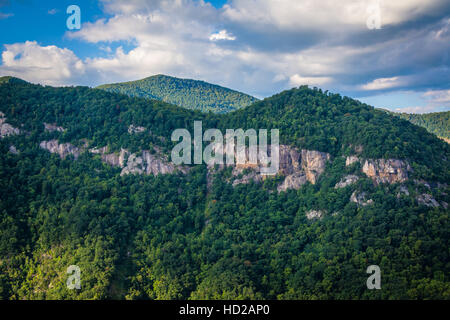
<point>436,122</point>
<point>187,93</point>
<point>176,237</point>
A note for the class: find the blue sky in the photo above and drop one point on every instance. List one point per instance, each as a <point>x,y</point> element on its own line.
<point>258,47</point>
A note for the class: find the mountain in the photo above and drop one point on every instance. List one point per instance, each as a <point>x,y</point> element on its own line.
<point>436,122</point>
<point>187,93</point>
<point>9,79</point>
<point>87,180</point>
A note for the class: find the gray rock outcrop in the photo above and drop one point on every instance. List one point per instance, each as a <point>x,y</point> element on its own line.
<point>350,160</point>
<point>5,128</point>
<point>360,199</point>
<point>13,150</point>
<point>63,149</point>
<point>50,127</point>
<point>346,181</point>
<point>382,170</point>
<point>138,163</point>
<point>135,129</point>
<point>427,200</point>
<point>386,170</point>
<point>300,167</point>
<point>314,214</point>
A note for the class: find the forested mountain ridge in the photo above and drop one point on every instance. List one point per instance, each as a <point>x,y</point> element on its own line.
<point>436,122</point>
<point>187,93</point>
<point>180,234</point>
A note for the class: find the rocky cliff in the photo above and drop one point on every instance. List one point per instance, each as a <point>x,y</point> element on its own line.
<point>346,181</point>
<point>63,149</point>
<point>386,170</point>
<point>50,127</point>
<point>147,163</point>
<point>300,167</point>
<point>113,159</point>
<point>383,170</point>
<point>360,198</point>
<point>141,163</point>
<point>131,163</point>
<point>5,128</point>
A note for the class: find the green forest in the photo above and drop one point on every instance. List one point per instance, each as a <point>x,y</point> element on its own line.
<point>187,93</point>
<point>173,236</point>
<point>206,97</point>
<point>436,122</point>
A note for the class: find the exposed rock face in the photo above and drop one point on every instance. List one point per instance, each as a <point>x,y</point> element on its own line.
<point>290,160</point>
<point>383,170</point>
<point>135,129</point>
<point>350,160</point>
<point>115,160</point>
<point>135,165</point>
<point>252,176</point>
<point>148,163</point>
<point>293,181</point>
<point>102,150</point>
<point>314,214</point>
<point>313,163</point>
<point>53,127</point>
<point>386,171</point>
<point>5,128</point>
<point>403,190</point>
<point>427,200</point>
<point>360,199</point>
<point>346,181</point>
<point>13,150</point>
<point>157,164</point>
<point>143,163</point>
<point>63,149</point>
<point>299,167</point>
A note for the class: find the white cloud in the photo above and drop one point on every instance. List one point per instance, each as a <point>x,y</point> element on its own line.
<point>297,80</point>
<point>52,11</point>
<point>275,44</point>
<point>383,83</point>
<point>222,35</point>
<point>326,15</point>
<point>419,109</point>
<point>49,65</point>
<point>438,96</point>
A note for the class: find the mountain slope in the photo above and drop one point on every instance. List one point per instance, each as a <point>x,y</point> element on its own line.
<point>9,79</point>
<point>144,234</point>
<point>314,120</point>
<point>187,93</point>
<point>436,122</point>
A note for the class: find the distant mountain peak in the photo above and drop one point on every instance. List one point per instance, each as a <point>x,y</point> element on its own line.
<point>11,79</point>
<point>186,93</point>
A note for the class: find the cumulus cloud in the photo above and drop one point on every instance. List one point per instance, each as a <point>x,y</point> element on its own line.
<point>257,46</point>
<point>421,109</point>
<point>43,64</point>
<point>438,96</point>
<point>297,80</point>
<point>383,83</point>
<point>222,35</point>
<point>326,15</point>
